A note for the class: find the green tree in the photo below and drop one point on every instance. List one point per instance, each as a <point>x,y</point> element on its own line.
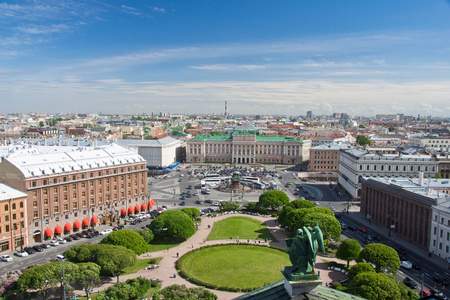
<point>383,258</point>
<point>228,206</point>
<point>192,212</point>
<point>438,175</point>
<point>40,278</point>
<point>363,140</point>
<point>348,250</point>
<point>147,234</point>
<point>41,124</point>
<point>374,286</point>
<point>273,199</point>
<point>70,271</point>
<point>88,276</point>
<point>128,239</point>
<point>175,292</point>
<point>391,128</point>
<point>301,203</point>
<point>362,126</point>
<point>328,224</point>
<point>174,225</point>
<point>359,268</point>
<point>114,263</point>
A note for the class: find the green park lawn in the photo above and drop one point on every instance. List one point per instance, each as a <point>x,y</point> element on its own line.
<point>243,227</point>
<point>159,246</point>
<point>140,264</point>
<point>234,266</point>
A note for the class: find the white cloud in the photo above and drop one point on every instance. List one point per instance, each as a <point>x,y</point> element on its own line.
<point>228,67</point>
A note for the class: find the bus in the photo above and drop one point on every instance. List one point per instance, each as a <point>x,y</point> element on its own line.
<point>250,179</point>
<point>273,185</point>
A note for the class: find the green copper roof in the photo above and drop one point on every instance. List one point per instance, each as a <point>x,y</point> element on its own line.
<point>259,138</point>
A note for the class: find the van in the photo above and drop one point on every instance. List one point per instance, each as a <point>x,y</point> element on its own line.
<point>406,264</point>
<point>60,257</point>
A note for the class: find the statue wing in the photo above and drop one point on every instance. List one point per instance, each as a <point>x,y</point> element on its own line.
<point>319,236</point>
<point>310,241</point>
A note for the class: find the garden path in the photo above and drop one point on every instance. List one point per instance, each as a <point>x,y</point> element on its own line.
<point>167,269</point>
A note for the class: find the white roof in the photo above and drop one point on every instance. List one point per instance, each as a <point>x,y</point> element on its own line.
<point>44,160</point>
<point>7,192</point>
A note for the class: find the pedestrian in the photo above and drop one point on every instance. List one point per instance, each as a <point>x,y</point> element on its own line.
<point>204,241</point>
<point>178,254</point>
<point>192,246</point>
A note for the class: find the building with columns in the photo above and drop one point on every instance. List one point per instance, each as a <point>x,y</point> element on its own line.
<point>245,146</point>
<point>404,205</point>
<point>69,188</point>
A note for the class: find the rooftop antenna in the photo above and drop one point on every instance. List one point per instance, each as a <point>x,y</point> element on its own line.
<point>225,115</point>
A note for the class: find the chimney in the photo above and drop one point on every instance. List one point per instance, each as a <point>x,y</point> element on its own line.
<point>420,178</point>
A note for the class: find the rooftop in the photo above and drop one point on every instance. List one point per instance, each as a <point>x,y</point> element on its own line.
<point>7,192</point>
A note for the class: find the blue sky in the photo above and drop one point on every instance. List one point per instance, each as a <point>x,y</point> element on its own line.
<point>263,57</point>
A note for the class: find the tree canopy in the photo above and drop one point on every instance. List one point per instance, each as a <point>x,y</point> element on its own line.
<point>273,199</point>
<point>348,250</point>
<point>192,212</point>
<point>358,269</point>
<point>131,289</point>
<point>383,258</point>
<point>175,292</point>
<point>301,203</point>
<point>328,224</point>
<point>128,239</point>
<point>228,206</point>
<point>363,140</point>
<point>147,234</point>
<point>374,286</point>
<point>174,225</point>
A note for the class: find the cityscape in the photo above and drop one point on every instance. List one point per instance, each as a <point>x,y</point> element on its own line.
<point>224,150</point>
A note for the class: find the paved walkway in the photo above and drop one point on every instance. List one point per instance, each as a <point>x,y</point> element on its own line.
<point>167,269</point>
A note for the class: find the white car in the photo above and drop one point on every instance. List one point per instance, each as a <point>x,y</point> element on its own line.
<point>6,258</point>
<point>106,231</point>
<point>59,257</point>
<point>21,253</point>
<point>53,243</point>
<point>61,241</point>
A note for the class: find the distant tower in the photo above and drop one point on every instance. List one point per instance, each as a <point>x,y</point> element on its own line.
<point>309,114</point>
<point>225,115</point>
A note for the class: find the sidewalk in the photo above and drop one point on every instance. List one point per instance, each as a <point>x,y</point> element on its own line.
<point>167,269</point>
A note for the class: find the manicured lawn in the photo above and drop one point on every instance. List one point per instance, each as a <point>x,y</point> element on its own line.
<point>237,266</point>
<point>243,227</point>
<point>140,264</point>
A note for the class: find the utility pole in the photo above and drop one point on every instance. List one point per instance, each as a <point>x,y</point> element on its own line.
<point>64,284</point>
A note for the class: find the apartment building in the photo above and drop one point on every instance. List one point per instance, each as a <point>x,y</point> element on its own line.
<point>13,218</point>
<point>325,158</point>
<point>354,163</point>
<point>72,187</point>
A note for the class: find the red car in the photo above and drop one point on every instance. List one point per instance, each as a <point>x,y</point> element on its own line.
<point>362,229</point>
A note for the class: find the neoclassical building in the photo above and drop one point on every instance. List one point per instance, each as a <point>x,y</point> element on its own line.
<point>69,188</point>
<point>246,146</point>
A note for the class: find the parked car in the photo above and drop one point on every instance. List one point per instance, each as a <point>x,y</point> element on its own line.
<point>30,250</point>
<point>38,248</point>
<point>21,253</point>
<point>75,237</point>
<point>362,229</point>
<point>61,241</point>
<point>410,283</point>
<point>106,231</point>
<point>54,243</point>
<point>416,266</point>
<point>60,257</point>
<point>6,258</point>
<point>45,246</point>
<point>402,257</point>
<point>118,227</point>
<point>400,250</point>
<point>406,264</point>
<point>182,203</point>
<point>199,202</point>
<point>68,239</point>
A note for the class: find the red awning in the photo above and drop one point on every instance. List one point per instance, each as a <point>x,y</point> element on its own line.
<point>143,206</point>
<point>152,203</point>
<point>137,208</point>
<point>58,229</point>
<point>148,204</point>
<point>85,222</point>
<point>123,211</point>
<point>94,220</point>
<point>130,210</point>
<point>68,227</point>
<point>48,232</point>
<point>76,225</point>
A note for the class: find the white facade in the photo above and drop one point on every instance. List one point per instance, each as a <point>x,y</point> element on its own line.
<point>161,153</point>
<point>354,163</point>
<point>440,230</point>
<point>430,141</point>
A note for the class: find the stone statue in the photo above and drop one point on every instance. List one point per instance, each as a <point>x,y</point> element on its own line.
<point>303,250</point>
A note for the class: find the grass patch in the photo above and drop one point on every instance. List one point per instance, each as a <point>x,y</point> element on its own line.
<point>233,267</point>
<point>140,264</point>
<point>243,227</point>
<point>156,246</point>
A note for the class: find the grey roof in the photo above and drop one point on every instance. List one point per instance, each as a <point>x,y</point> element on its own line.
<point>45,160</point>
<point>166,141</point>
<point>7,192</point>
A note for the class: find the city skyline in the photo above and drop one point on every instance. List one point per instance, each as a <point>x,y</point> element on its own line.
<point>264,57</point>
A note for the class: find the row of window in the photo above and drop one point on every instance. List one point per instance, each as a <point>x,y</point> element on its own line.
<point>14,217</point>
<point>7,227</point>
<point>13,206</point>
<point>396,168</point>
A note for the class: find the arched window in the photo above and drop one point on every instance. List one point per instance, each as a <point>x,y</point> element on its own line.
<point>6,207</point>
<point>21,204</point>
<point>13,206</point>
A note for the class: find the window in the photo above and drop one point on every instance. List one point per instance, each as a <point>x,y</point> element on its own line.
<point>6,218</point>
<point>35,214</point>
<point>56,200</point>
<point>21,215</point>
<point>83,203</point>
<point>7,228</point>
<point>74,186</point>
<point>33,183</point>
<point>6,207</point>
<point>14,216</point>
<point>34,203</point>
<point>55,191</point>
<point>74,205</point>
<point>46,211</point>
<point>13,206</point>
<point>66,207</point>
<point>45,192</point>
<point>65,188</point>
<point>21,204</point>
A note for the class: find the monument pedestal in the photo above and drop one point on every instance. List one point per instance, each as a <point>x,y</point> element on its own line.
<point>299,284</point>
